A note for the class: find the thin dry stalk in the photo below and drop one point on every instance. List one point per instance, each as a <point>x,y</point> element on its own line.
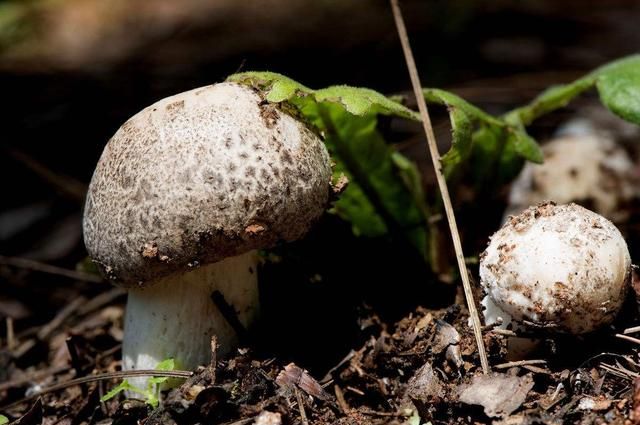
<point>620,372</point>
<point>25,263</point>
<point>11,337</point>
<point>631,330</point>
<point>628,338</point>
<point>303,414</point>
<point>442,183</point>
<point>102,377</point>
<point>519,363</point>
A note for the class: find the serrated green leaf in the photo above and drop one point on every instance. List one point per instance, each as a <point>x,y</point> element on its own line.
<point>412,178</point>
<point>619,87</point>
<point>499,143</point>
<point>357,101</point>
<point>618,84</point>
<point>3,420</point>
<point>355,208</point>
<point>362,101</point>
<point>488,145</point>
<point>551,99</point>
<point>461,141</point>
<point>449,100</point>
<point>510,162</point>
<point>525,146</point>
<point>377,200</point>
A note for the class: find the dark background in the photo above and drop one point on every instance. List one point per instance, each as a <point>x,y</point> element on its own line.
<point>72,71</point>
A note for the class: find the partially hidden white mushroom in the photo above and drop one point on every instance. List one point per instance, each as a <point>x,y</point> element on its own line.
<point>184,194</point>
<point>561,268</point>
<point>581,165</point>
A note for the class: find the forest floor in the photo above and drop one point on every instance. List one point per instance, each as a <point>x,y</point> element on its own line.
<point>424,364</point>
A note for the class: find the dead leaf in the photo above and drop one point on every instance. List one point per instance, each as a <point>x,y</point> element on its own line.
<point>424,384</point>
<point>499,394</point>
<point>447,339</point>
<point>294,376</point>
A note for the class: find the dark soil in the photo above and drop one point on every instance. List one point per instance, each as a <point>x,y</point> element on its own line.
<point>422,362</point>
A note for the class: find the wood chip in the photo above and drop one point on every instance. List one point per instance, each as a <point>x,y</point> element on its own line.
<point>292,377</point>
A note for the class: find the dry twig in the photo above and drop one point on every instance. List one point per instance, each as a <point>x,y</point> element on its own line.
<point>102,377</point>
<point>25,263</point>
<point>442,183</point>
<point>519,363</point>
<point>303,414</point>
<point>631,330</point>
<point>628,338</point>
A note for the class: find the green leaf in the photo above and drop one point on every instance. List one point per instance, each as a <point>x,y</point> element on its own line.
<point>551,99</point>
<point>3,420</point>
<point>449,100</point>
<point>619,87</point>
<point>461,141</point>
<point>167,364</point>
<point>618,84</point>
<point>151,394</point>
<point>464,118</point>
<point>355,100</point>
<point>355,207</point>
<point>412,178</point>
<point>123,386</point>
<point>500,143</point>
<point>525,146</point>
<point>377,200</point>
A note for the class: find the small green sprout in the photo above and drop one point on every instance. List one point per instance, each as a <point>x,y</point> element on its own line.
<point>151,393</point>
<point>3,420</point>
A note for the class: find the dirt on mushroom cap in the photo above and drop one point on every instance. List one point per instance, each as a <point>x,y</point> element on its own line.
<point>562,267</point>
<point>198,177</point>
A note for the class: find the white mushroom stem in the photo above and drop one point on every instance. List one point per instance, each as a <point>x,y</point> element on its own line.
<point>176,316</point>
<point>518,348</point>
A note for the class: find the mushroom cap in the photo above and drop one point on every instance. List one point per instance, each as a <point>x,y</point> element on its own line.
<point>200,176</point>
<point>561,267</point>
<point>585,168</point>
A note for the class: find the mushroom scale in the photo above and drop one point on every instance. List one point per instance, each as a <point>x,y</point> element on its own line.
<point>559,267</point>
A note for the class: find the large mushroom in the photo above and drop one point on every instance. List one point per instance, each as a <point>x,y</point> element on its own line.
<point>184,194</point>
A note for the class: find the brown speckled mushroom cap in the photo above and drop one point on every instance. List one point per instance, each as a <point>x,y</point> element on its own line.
<point>200,176</point>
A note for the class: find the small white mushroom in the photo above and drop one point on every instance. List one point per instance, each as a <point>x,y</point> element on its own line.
<point>184,194</point>
<point>580,165</point>
<point>562,268</point>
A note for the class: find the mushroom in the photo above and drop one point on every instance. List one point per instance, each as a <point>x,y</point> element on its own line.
<point>581,165</point>
<point>560,268</point>
<point>183,195</point>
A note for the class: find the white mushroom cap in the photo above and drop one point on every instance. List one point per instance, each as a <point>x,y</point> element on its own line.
<point>581,166</point>
<point>200,176</point>
<point>560,267</point>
